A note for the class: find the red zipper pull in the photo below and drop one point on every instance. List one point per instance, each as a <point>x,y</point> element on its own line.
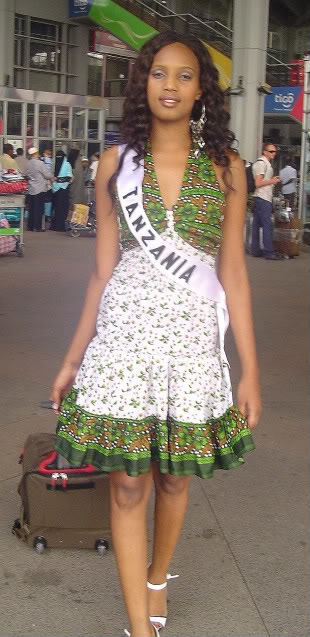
<point>64,480</point>
<point>54,479</point>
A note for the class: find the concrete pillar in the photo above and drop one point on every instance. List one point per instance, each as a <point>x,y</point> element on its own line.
<point>7,14</point>
<point>250,32</point>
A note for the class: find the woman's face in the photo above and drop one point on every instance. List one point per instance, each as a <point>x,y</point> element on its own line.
<point>173,83</point>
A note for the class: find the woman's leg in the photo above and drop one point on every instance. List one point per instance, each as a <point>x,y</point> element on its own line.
<point>129,499</point>
<point>170,509</point>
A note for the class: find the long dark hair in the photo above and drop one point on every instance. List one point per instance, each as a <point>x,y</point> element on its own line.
<point>137,117</point>
<point>73,155</point>
<point>60,155</point>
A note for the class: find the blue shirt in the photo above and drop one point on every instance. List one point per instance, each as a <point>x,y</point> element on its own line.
<point>65,171</point>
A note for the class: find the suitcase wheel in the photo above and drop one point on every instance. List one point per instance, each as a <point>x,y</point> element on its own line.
<point>16,525</point>
<point>102,546</point>
<point>39,543</point>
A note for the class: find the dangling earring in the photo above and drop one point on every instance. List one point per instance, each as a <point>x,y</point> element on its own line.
<point>196,127</point>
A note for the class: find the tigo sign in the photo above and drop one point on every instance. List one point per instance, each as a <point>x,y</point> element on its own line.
<point>78,8</point>
<point>285,99</point>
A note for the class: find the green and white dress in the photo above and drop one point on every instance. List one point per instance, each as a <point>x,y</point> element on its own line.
<point>153,384</point>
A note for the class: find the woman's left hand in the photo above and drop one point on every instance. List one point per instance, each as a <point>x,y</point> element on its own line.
<point>249,399</point>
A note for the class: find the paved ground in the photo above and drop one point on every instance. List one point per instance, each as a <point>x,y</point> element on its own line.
<point>243,553</point>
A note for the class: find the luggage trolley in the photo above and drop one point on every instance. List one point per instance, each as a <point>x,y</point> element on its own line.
<point>14,204</point>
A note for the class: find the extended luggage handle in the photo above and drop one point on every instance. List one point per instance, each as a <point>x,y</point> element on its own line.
<point>51,458</point>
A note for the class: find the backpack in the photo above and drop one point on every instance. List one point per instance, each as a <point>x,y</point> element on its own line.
<point>250,178</point>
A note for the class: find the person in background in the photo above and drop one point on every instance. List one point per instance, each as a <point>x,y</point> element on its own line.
<point>262,198</point>
<point>60,187</point>
<point>21,161</point>
<point>38,175</point>
<point>288,176</point>
<point>86,168</point>
<point>47,157</point>
<point>7,158</point>
<point>94,167</point>
<point>77,188</point>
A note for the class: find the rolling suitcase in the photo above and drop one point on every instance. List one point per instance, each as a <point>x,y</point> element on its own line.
<point>62,507</point>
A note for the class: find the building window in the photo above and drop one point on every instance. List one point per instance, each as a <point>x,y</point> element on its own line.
<point>94,76</point>
<point>62,121</point>
<point>41,50</point>
<point>45,120</point>
<point>44,56</point>
<point>14,123</point>
<point>30,120</point>
<point>78,123</point>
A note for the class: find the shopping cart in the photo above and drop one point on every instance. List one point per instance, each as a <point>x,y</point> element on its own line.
<point>83,219</point>
<point>13,206</point>
<point>90,196</point>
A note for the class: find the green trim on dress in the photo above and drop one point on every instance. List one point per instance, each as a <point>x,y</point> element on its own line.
<point>118,444</point>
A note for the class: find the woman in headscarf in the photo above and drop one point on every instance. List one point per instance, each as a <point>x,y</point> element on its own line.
<point>63,174</point>
<point>77,188</point>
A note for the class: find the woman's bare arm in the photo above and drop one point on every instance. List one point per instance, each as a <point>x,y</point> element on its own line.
<point>233,275</point>
<point>107,257</point>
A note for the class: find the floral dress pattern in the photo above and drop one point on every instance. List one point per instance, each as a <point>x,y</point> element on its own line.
<point>153,384</point>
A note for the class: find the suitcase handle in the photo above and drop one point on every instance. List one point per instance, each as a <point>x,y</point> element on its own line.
<point>45,470</point>
<point>71,487</point>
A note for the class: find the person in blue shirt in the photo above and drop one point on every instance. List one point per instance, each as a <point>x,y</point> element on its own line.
<point>60,187</point>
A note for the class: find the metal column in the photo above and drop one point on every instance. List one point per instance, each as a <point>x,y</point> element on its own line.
<point>250,32</point>
<point>304,180</point>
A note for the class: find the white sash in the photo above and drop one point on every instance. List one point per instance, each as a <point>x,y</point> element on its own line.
<point>188,272</point>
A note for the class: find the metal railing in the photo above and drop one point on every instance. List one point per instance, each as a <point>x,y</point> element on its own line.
<point>212,31</point>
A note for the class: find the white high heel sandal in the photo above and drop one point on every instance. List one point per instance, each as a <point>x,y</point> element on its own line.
<point>159,619</point>
<point>156,632</point>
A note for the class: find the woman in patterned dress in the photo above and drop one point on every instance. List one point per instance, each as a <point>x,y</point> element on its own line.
<point>144,391</point>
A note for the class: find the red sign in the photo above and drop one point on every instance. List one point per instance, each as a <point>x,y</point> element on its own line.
<point>101,39</point>
<point>297,73</point>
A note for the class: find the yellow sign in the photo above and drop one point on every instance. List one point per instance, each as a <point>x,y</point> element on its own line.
<point>223,65</point>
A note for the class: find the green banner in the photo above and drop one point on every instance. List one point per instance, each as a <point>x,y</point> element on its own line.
<point>121,23</point>
<point>9,231</point>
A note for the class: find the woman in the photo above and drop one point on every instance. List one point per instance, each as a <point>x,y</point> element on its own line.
<point>147,396</point>
<point>77,188</point>
<point>60,187</point>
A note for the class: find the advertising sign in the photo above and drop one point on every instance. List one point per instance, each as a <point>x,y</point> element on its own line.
<point>285,100</point>
<point>101,39</point>
<point>79,8</point>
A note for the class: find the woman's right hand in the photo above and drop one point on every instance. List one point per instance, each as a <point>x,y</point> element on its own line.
<point>62,384</point>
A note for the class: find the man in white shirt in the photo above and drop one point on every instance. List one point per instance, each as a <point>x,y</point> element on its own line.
<point>262,210</point>
<point>94,167</point>
<point>39,176</point>
<point>288,176</point>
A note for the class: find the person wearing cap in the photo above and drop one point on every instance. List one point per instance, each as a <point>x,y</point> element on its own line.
<point>39,176</point>
<point>86,168</point>
<point>94,167</point>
